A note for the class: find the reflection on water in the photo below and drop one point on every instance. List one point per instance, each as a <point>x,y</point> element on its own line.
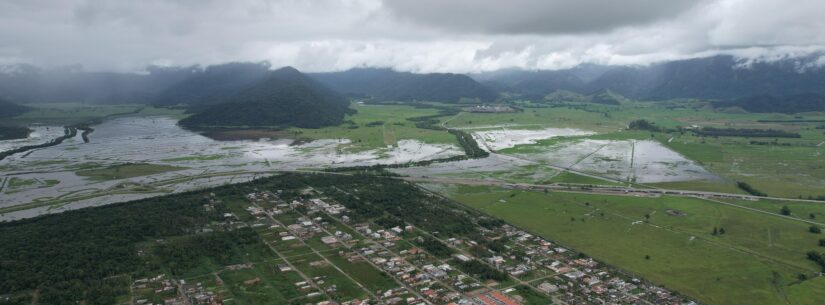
<point>499,139</point>
<point>642,161</point>
<point>159,140</point>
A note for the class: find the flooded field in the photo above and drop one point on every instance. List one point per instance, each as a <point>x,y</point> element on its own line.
<point>158,140</point>
<point>171,159</point>
<point>499,139</point>
<point>493,163</point>
<point>640,161</point>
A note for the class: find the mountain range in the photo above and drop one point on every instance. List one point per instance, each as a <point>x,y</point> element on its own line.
<point>279,98</point>
<point>253,94</point>
<point>718,78</point>
<point>9,109</point>
<point>386,84</point>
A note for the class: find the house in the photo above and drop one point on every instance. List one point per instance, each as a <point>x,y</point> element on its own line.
<point>328,240</point>
<point>548,288</point>
<point>496,260</point>
<point>462,257</point>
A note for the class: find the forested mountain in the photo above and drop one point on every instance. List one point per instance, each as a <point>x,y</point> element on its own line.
<point>785,104</point>
<point>9,109</point>
<point>718,77</point>
<point>285,97</point>
<point>723,78</point>
<point>532,84</point>
<point>386,84</point>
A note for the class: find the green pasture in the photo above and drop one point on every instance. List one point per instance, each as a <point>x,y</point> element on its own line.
<point>378,126</point>
<point>757,260</point>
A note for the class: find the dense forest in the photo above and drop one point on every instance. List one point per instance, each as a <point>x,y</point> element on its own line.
<point>9,109</point>
<point>643,124</point>
<point>69,256</point>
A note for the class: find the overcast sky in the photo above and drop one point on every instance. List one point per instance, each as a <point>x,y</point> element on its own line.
<point>408,35</point>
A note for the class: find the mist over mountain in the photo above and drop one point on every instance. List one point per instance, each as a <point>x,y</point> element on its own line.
<point>718,77</point>
<point>386,84</point>
<point>30,84</point>
<point>781,104</point>
<point>213,84</point>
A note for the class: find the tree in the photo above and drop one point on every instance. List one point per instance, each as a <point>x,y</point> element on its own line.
<point>785,211</point>
<point>822,242</point>
<point>647,257</point>
<point>715,231</point>
<point>812,216</point>
<point>721,231</point>
<point>815,230</point>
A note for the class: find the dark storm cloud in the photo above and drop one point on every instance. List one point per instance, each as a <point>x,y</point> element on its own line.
<point>536,16</point>
<point>409,35</point>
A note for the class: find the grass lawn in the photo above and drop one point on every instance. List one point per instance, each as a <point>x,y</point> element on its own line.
<point>128,170</point>
<point>314,266</point>
<point>372,278</point>
<point>266,285</point>
<point>756,261</point>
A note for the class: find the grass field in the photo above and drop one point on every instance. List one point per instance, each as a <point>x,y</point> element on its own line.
<point>780,171</point>
<point>273,287</point>
<point>74,113</point>
<point>15,184</point>
<point>757,260</point>
<point>128,170</point>
<point>376,126</point>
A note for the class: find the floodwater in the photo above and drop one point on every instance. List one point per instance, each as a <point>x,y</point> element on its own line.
<point>39,135</point>
<point>642,161</point>
<point>158,140</point>
<point>499,139</point>
<point>493,163</point>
